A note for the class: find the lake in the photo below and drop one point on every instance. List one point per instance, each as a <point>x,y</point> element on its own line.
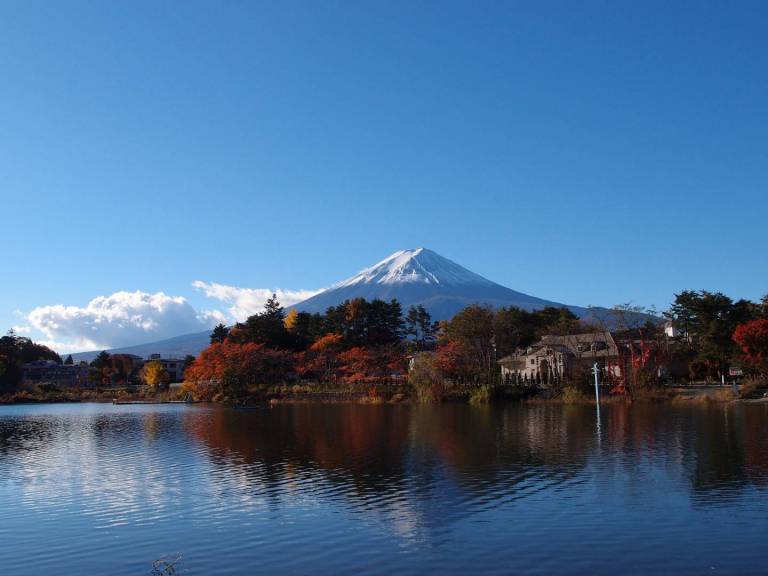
<point>354,489</point>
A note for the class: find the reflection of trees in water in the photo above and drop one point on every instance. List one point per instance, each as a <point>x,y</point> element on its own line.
<point>731,451</point>
<point>417,467</point>
<point>465,453</point>
<point>372,442</point>
<point>715,451</point>
<point>352,443</point>
<point>481,445</point>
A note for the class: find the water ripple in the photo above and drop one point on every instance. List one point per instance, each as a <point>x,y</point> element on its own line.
<point>382,489</point>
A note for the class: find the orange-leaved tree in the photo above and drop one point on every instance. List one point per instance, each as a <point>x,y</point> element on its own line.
<point>364,364</point>
<point>236,367</point>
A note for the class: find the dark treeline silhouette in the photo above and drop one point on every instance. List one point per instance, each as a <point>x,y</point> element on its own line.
<point>15,351</point>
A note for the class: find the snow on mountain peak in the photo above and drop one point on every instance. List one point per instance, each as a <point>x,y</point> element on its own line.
<point>416,266</point>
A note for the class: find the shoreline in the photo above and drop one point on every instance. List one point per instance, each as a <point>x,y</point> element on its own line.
<point>309,395</point>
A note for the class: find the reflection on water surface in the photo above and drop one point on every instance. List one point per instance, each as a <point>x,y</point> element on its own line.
<point>380,489</point>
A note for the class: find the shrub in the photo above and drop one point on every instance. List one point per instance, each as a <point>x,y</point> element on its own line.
<point>752,388</point>
<point>426,379</point>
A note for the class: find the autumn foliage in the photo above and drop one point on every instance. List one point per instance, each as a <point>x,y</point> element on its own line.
<point>355,342</point>
<point>234,366</point>
<point>360,364</point>
<point>321,361</point>
<point>154,374</point>
<point>455,361</point>
<point>752,339</point>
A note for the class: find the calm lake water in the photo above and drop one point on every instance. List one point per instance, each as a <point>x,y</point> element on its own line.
<point>346,489</point>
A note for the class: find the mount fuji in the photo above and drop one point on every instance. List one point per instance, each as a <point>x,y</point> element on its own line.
<point>423,277</point>
<point>415,277</point>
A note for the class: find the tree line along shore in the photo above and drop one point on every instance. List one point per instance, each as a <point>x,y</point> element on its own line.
<point>373,351</point>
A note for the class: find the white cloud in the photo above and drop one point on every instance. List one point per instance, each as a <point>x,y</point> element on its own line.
<point>245,302</point>
<point>122,319</point>
<point>21,329</point>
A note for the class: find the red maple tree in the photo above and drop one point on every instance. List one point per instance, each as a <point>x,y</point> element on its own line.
<point>752,339</point>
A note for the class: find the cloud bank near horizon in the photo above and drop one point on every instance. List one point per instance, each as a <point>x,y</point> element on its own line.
<point>244,302</point>
<point>121,319</point>
<point>129,318</point>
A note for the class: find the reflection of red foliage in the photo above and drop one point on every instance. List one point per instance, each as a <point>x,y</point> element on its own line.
<point>752,338</point>
<point>253,363</point>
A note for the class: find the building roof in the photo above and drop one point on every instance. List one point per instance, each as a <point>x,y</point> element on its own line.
<point>593,344</point>
<point>43,364</point>
<point>588,345</point>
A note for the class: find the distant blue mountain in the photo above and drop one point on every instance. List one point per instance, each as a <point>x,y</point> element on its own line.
<point>177,347</point>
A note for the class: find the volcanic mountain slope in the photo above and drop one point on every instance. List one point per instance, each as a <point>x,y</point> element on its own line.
<point>415,277</point>
<point>423,277</point>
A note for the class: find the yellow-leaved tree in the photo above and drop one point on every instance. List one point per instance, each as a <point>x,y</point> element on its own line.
<point>290,320</point>
<point>154,375</point>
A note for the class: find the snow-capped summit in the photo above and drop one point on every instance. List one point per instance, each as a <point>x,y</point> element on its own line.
<point>422,277</point>
<point>415,266</point>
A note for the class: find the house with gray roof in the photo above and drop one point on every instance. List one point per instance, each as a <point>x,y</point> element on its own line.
<point>554,359</point>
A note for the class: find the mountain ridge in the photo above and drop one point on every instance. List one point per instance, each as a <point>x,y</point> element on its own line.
<point>421,276</point>
<point>417,276</point>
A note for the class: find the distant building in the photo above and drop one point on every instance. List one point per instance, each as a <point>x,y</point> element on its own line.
<point>62,375</point>
<point>174,367</point>
<point>556,358</point>
<point>138,361</point>
<point>671,330</point>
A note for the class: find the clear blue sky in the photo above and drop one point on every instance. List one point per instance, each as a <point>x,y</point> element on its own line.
<point>589,153</point>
